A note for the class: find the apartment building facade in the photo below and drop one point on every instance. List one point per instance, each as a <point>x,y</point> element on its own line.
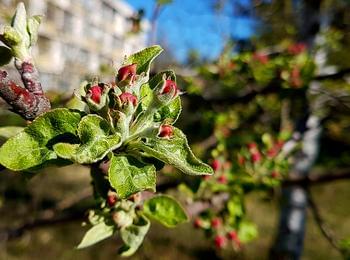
<point>77,37</point>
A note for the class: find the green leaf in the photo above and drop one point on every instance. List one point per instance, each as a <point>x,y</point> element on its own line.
<point>235,207</point>
<point>96,234</point>
<point>166,210</point>
<point>19,23</point>
<point>144,58</point>
<point>32,146</point>
<point>174,151</point>
<point>128,176</point>
<point>96,141</point>
<point>33,24</point>
<point>133,236</point>
<point>8,131</point>
<point>247,231</point>
<point>5,55</point>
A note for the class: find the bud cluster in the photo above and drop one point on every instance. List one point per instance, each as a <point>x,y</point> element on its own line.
<point>221,232</point>
<point>118,102</point>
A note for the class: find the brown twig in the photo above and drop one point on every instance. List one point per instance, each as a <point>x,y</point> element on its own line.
<point>327,233</point>
<point>313,179</point>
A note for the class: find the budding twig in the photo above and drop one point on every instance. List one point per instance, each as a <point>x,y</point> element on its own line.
<point>28,102</point>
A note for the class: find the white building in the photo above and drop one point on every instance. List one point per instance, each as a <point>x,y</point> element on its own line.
<point>78,36</point>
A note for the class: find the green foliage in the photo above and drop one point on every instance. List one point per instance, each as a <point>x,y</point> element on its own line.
<point>128,176</point>
<point>22,34</point>
<point>133,236</point>
<point>166,210</point>
<point>96,141</point>
<point>174,151</point>
<point>96,234</point>
<point>120,124</point>
<point>8,131</point>
<point>33,146</point>
<point>144,58</point>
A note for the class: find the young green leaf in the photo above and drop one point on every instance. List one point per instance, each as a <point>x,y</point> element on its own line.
<point>144,58</point>
<point>31,147</point>
<point>247,231</point>
<point>166,210</point>
<point>128,176</point>
<point>96,234</point>
<point>133,236</point>
<point>33,27</point>
<point>8,131</point>
<point>174,151</point>
<point>96,141</point>
<point>19,23</point>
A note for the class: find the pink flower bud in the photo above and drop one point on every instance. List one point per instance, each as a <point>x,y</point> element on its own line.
<point>241,160</point>
<point>252,146</point>
<point>295,78</point>
<point>95,92</point>
<point>256,157</point>
<point>125,98</point>
<point>197,223</point>
<point>169,86</point>
<point>111,199</point>
<point>232,235</point>
<point>127,72</point>
<point>215,164</point>
<point>220,241</point>
<point>215,223</point>
<point>260,57</point>
<point>272,152</point>
<point>296,48</point>
<point>165,131</point>
<point>222,179</point>
<point>275,174</point>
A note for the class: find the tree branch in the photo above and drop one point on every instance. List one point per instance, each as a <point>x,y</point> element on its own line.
<point>327,233</point>
<point>313,179</point>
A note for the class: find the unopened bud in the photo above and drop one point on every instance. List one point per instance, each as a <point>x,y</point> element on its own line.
<point>126,98</point>
<point>165,131</point>
<point>127,72</point>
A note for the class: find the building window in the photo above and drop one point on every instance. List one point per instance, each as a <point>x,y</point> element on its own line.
<point>68,22</point>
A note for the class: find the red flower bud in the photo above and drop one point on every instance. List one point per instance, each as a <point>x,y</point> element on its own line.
<point>215,164</point>
<point>252,146</point>
<point>275,174</point>
<point>260,57</point>
<point>197,223</point>
<point>220,241</point>
<point>169,85</point>
<point>232,235</point>
<point>295,79</point>
<point>241,160</point>
<point>95,92</point>
<point>215,222</point>
<point>111,199</point>
<point>296,48</point>
<point>256,157</point>
<point>222,179</point>
<point>165,131</point>
<point>127,97</point>
<point>127,72</point>
<point>272,152</point>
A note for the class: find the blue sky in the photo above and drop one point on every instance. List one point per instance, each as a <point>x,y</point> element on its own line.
<point>186,24</point>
